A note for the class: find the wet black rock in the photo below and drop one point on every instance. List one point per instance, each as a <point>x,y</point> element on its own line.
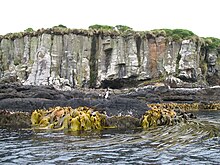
<point>28,98</point>
<point>16,97</point>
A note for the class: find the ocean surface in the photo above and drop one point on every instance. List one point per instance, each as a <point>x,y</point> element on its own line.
<point>194,142</point>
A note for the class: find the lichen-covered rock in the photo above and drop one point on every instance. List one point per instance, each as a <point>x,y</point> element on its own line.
<point>189,61</point>
<point>213,71</point>
<point>170,60</point>
<point>40,72</point>
<point>41,69</point>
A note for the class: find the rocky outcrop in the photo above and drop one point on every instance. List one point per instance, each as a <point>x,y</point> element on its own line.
<point>121,105</point>
<point>189,61</point>
<point>124,107</point>
<point>17,97</point>
<point>93,59</point>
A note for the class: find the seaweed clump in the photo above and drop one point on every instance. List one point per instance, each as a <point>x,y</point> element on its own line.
<point>67,118</point>
<point>158,116</point>
<point>167,114</point>
<point>86,118</point>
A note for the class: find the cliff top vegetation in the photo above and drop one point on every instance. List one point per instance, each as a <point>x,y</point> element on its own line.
<point>105,30</point>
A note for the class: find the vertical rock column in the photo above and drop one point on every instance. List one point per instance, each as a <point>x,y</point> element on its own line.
<point>153,57</point>
<point>56,56</point>
<point>105,58</point>
<point>213,72</point>
<point>68,67</point>
<point>7,49</point>
<point>19,59</point>
<point>40,72</point>
<point>7,56</point>
<point>171,58</point>
<point>93,61</point>
<point>143,58</point>
<point>131,59</point>
<point>188,64</point>
<point>81,58</point>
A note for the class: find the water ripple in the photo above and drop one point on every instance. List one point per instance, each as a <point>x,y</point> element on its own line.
<point>194,142</point>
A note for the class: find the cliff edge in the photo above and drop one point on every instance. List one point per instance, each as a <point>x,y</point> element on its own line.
<point>95,58</point>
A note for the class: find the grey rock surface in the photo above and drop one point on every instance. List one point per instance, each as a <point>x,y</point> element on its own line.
<point>90,59</point>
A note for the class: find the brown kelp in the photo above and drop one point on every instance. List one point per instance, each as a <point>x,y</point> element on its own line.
<point>67,118</point>
<point>87,118</point>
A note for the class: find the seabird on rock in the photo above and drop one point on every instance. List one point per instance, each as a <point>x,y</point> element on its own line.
<point>106,95</point>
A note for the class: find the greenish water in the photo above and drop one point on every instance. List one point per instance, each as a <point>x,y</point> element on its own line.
<point>196,142</point>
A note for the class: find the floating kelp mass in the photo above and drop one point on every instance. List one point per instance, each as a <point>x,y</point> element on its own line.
<point>60,118</point>
<point>86,118</point>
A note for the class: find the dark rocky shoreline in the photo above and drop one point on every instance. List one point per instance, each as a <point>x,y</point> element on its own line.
<point>15,97</point>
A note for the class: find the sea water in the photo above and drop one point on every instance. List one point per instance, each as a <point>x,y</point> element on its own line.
<point>194,142</point>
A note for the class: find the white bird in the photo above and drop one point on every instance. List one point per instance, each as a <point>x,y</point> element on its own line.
<point>106,95</point>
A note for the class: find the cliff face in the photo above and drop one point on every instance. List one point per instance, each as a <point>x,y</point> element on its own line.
<point>71,59</point>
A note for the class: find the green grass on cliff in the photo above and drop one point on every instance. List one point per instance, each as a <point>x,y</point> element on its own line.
<point>105,30</point>
<point>212,43</point>
<point>120,28</point>
<point>174,34</point>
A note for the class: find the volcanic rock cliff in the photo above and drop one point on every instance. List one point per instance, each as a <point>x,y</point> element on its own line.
<point>90,58</point>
